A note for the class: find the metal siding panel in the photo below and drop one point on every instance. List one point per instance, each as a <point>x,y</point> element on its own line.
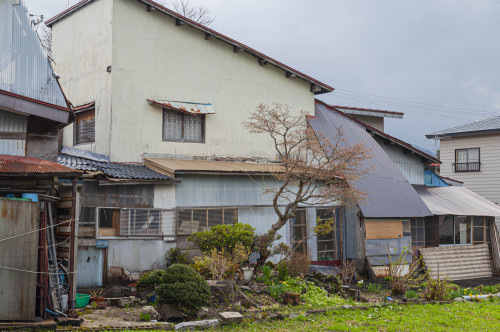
<point>90,267</point>
<point>376,249</point>
<point>390,195</point>
<point>14,147</point>
<point>24,67</point>
<point>13,123</point>
<point>18,288</point>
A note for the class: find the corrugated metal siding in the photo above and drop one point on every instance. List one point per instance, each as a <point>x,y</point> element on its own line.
<point>14,147</point>
<point>13,123</point>
<point>409,164</point>
<point>390,195</point>
<point>24,68</point>
<point>353,235</point>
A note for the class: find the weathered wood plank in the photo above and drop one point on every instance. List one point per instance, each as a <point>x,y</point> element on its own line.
<point>390,229</point>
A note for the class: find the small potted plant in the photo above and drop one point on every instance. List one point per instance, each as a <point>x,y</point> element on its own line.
<point>247,272</point>
<point>97,296</point>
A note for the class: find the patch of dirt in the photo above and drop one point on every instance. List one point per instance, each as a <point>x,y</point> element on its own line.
<point>470,283</point>
<point>114,317</point>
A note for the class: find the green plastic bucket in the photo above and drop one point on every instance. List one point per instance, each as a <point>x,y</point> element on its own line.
<point>82,300</point>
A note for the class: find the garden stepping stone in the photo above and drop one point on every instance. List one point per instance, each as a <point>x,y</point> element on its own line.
<point>197,325</point>
<point>170,313</point>
<point>230,317</point>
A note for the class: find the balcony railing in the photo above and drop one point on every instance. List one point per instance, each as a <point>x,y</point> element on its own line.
<point>467,167</point>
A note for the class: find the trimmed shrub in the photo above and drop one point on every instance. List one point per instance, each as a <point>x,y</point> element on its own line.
<point>150,280</point>
<point>224,237</point>
<point>183,287</point>
<point>176,256</point>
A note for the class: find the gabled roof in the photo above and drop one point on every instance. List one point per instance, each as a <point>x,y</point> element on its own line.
<point>316,86</point>
<point>29,166</point>
<point>390,195</point>
<point>369,112</point>
<point>379,133</point>
<point>489,125</point>
<point>24,67</point>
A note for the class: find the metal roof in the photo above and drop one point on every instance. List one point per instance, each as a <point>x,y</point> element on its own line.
<point>112,170</point>
<point>369,112</point>
<point>483,126</point>
<point>375,131</point>
<point>19,165</point>
<point>458,201</point>
<point>176,166</point>
<point>185,107</point>
<point>316,86</point>
<point>24,67</point>
<point>390,195</point>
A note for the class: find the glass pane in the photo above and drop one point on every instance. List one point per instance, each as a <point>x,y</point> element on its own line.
<point>172,125</point>
<point>299,230</point>
<point>87,215</point>
<point>214,217</point>
<point>446,230</point>
<point>193,126</point>
<point>230,216</point>
<point>325,246</point>
<point>106,218</point>
<point>462,230</point>
<point>461,156</point>
<point>199,220</point>
<point>473,155</point>
<point>478,234</point>
<point>184,222</point>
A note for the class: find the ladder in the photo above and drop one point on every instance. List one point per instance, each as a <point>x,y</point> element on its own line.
<point>55,290</point>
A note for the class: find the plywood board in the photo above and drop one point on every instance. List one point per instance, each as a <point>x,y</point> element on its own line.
<point>389,229</point>
<point>20,255</point>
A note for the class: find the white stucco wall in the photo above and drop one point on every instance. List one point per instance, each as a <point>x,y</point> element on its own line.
<point>154,58</point>
<point>82,52</point>
<point>486,182</point>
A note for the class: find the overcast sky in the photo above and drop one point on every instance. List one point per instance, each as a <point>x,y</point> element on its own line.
<point>436,61</point>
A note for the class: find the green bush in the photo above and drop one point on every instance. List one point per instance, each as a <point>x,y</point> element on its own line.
<point>150,280</point>
<point>411,294</point>
<point>175,256</point>
<point>183,287</point>
<point>224,237</point>
<point>438,290</point>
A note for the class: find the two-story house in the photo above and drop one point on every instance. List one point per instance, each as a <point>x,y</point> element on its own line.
<point>158,89</point>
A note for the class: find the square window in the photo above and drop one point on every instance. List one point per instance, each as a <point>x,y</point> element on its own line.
<point>467,160</point>
<point>183,127</point>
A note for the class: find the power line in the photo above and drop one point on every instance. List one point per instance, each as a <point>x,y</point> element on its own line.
<point>34,231</point>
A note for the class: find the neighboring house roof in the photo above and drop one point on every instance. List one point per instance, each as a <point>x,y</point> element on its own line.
<point>24,67</point>
<point>458,201</point>
<point>29,106</point>
<point>484,126</point>
<point>29,166</point>
<point>112,170</point>
<point>389,193</point>
<point>388,137</point>
<point>182,166</point>
<point>369,112</point>
<point>316,86</point>
<point>185,107</point>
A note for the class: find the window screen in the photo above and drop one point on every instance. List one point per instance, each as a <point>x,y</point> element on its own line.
<point>146,222</point>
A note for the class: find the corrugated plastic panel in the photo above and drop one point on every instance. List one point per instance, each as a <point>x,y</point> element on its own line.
<point>186,107</point>
<point>12,122</point>
<point>390,195</point>
<point>458,201</point>
<point>24,67</point>
<point>15,147</point>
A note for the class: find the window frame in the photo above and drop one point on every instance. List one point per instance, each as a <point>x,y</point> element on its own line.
<point>333,236</point>
<point>206,209</point>
<point>183,116</point>
<point>467,164</point>
<point>76,124</point>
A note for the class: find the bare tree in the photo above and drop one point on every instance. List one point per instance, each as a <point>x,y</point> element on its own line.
<point>199,14</point>
<point>317,169</point>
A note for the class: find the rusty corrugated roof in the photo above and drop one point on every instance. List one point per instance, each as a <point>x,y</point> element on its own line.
<point>13,165</point>
<point>455,200</point>
<point>174,166</point>
<point>186,107</point>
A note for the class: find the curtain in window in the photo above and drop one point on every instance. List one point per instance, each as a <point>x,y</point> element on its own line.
<point>473,156</point>
<point>461,156</point>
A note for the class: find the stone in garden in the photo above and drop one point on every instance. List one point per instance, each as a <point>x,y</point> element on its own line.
<point>459,299</point>
<point>230,317</point>
<point>276,316</point>
<point>315,311</point>
<point>347,306</point>
<point>351,293</point>
<point>149,309</point>
<point>291,298</point>
<point>170,313</point>
<point>202,313</point>
<point>164,326</point>
<point>197,325</point>
<point>246,288</point>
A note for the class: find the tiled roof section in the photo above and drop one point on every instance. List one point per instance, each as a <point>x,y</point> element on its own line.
<point>317,87</point>
<point>12,165</point>
<point>485,126</point>
<point>112,170</point>
<point>382,134</point>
